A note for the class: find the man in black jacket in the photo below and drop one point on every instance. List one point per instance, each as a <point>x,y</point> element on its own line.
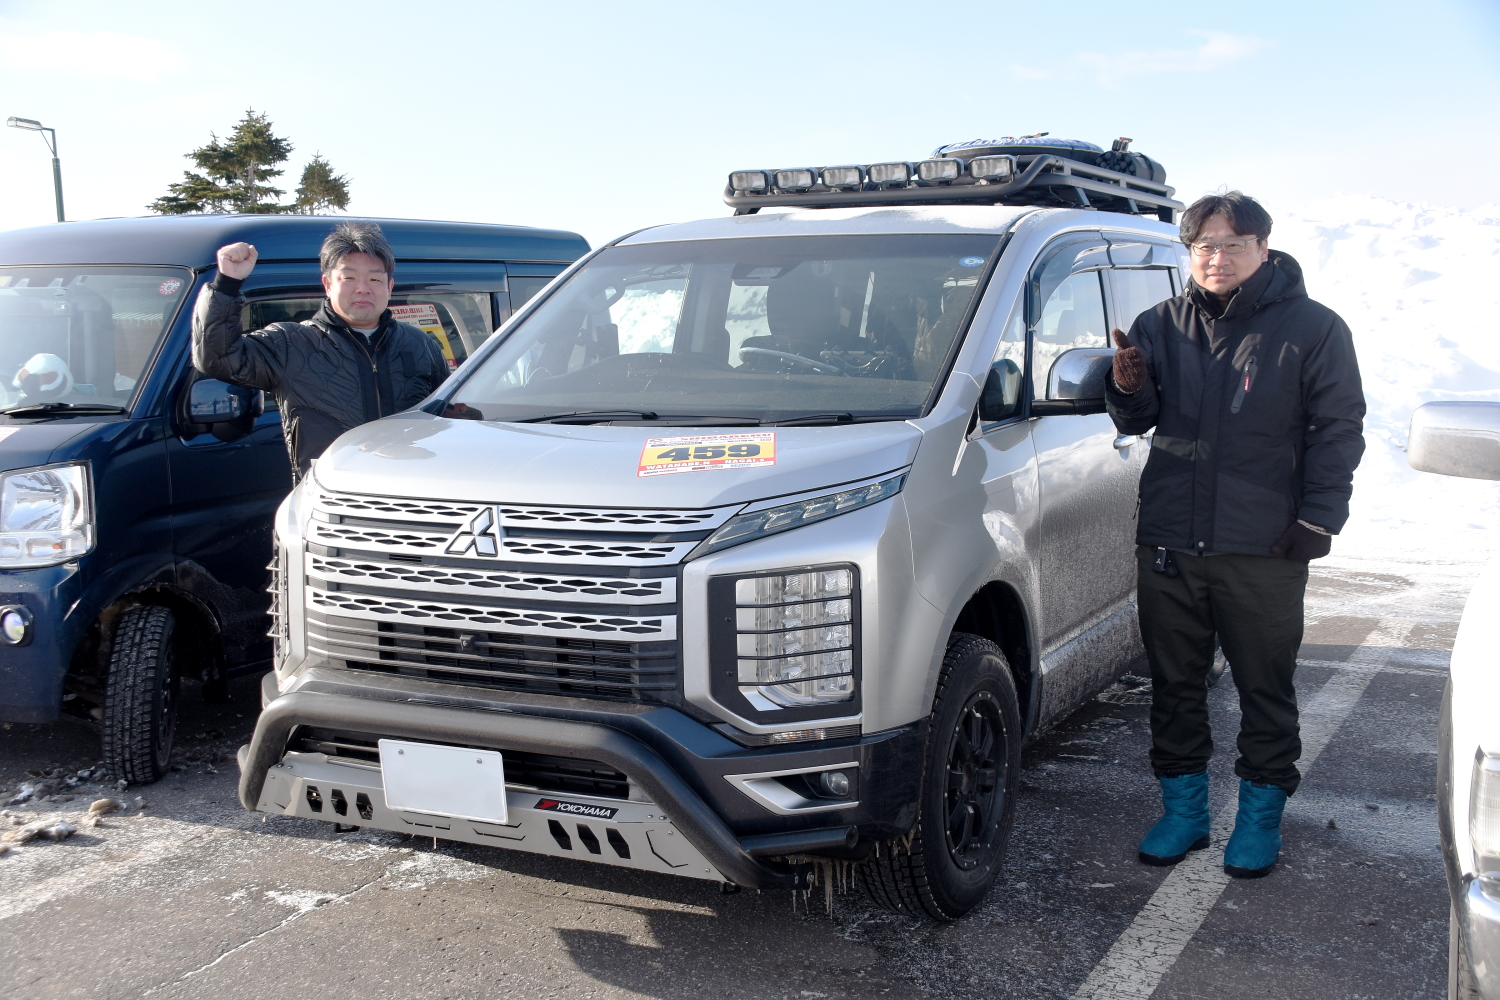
<point>347,365</point>
<point>1254,391</point>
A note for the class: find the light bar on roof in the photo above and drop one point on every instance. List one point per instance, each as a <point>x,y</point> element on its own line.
<point>890,174</point>
<point>845,178</point>
<point>796,179</point>
<point>940,171</point>
<point>749,181</point>
<point>992,168</point>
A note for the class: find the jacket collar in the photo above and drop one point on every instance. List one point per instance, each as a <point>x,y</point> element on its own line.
<point>330,320</point>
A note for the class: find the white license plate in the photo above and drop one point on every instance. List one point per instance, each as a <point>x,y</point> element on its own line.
<point>444,781</point>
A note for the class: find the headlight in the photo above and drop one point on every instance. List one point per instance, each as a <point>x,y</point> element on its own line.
<point>46,516</point>
<point>747,527</point>
<point>795,637</point>
<point>1484,812</point>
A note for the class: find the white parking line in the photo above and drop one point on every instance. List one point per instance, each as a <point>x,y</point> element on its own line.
<point>1150,946</point>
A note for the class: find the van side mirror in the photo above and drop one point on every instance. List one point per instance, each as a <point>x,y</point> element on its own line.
<point>226,411</point>
<point>1076,382</point>
<point>1456,439</point>
<point>1001,398</point>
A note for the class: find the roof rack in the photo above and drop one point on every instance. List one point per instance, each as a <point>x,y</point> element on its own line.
<point>1041,179</point>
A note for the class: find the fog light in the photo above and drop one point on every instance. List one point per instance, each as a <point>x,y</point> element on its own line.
<point>890,174</point>
<point>799,179</point>
<point>15,625</point>
<point>992,168</point>
<point>941,171</point>
<point>844,177</point>
<point>749,181</point>
<point>835,783</point>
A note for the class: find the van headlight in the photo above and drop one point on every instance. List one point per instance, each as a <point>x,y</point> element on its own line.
<point>1484,812</point>
<point>46,515</point>
<point>748,527</point>
<point>790,639</point>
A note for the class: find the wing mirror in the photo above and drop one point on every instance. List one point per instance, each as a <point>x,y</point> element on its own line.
<point>1001,398</point>
<point>1456,439</point>
<point>228,412</point>
<point>1076,382</point>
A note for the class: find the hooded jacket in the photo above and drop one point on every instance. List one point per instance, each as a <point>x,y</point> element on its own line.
<point>326,378</point>
<point>1258,411</point>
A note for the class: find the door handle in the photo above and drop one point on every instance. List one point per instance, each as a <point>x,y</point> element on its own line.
<point>1124,441</point>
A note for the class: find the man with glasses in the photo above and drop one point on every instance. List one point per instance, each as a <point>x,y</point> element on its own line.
<point>1254,391</point>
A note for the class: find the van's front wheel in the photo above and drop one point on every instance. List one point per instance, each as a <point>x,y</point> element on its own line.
<point>140,700</point>
<point>967,802</point>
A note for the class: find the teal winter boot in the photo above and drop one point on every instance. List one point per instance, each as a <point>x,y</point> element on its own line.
<point>1256,841</point>
<point>1183,826</point>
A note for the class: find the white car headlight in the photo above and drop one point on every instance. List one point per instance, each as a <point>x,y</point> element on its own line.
<point>1484,812</point>
<point>46,515</point>
<point>748,527</point>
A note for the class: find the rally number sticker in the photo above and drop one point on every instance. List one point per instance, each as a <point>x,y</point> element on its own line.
<point>702,452</point>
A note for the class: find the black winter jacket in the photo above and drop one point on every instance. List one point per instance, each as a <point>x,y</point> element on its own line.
<point>326,378</point>
<point>1258,413</point>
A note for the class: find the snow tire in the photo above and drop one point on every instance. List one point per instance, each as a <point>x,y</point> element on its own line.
<point>140,700</point>
<point>970,781</point>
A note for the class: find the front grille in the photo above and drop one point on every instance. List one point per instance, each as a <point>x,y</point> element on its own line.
<point>589,668</point>
<point>533,770</point>
<point>554,600</point>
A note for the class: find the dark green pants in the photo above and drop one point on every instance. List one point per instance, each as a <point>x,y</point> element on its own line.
<point>1253,604</point>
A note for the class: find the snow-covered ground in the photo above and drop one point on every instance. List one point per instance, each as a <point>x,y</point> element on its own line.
<point>1418,286</point>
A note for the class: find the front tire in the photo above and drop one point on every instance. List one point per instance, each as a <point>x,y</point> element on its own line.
<point>140,700</point>
<point>971,777</point>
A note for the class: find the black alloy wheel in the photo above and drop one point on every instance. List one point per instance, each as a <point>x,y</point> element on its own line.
<point>966,807</point>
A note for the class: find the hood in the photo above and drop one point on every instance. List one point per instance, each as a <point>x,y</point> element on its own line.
<point>26,443</point>
<point>430,458</point>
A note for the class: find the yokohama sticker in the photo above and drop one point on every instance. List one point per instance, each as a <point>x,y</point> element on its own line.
<point>576,809</point>
<point>703,452</point>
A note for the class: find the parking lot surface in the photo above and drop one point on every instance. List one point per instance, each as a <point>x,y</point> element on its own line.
<point>184,894</point>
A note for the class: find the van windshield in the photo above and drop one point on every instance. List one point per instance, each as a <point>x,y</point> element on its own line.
<point>82,335</point>
<point>746,330</point>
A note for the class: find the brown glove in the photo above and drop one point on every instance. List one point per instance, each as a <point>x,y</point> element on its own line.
<point>1303,544</point>
<point>1130,365</point>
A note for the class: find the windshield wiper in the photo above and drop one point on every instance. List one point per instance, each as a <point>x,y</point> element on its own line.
<point>39,409</point>
<point>604,416</point>
<point>818,419</point>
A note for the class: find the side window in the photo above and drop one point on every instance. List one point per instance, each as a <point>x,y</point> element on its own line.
<point>1137,291</point>
<point>524,287</point>
<point>1072,315</point>
<point>458,321</point>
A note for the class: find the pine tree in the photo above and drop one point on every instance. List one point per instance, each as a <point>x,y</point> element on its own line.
<point>320,190</point>
<point>235,174</point>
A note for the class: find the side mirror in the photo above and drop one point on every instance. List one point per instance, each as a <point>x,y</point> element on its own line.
<point>226,411</point>
<point>1076,382</point>
<point>1456,439</point>
<point>1001,397</point>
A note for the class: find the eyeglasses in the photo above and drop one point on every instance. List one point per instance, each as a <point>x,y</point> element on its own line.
<point>1232,247</point>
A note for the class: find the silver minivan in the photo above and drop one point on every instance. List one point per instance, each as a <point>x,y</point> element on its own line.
<point>778,536</point>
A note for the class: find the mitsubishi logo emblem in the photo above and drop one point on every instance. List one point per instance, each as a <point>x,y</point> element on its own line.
<point>482,534</point>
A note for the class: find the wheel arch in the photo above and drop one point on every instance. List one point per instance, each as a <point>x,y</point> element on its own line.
<point>996,612</point>
<point>197,640</point>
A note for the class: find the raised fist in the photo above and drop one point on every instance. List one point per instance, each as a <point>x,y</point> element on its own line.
<point>1130,364</point>
<point>237,260</point>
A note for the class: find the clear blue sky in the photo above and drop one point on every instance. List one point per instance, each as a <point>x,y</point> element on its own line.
<point>605,117</point>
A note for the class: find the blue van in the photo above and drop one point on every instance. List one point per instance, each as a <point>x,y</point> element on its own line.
<point>136,495</point>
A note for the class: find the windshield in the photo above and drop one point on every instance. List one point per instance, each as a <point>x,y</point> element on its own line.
<point>763,330</point>
<point>81,335</point>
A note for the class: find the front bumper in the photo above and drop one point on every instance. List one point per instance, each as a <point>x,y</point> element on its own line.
<point>31,676</point>
<point>1479,922</point>
<point>688,812</point>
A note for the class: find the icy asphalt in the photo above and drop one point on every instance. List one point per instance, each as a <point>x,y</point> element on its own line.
<point>187,895</point>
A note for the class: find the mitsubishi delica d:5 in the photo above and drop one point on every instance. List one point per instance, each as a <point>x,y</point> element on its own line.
<point>780,533</point>
<point>136,496</point>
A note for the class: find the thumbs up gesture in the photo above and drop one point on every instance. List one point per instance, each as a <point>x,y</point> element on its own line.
<point>1130,364</point>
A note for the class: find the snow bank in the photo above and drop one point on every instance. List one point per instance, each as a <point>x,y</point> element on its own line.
<point>1419,287</point>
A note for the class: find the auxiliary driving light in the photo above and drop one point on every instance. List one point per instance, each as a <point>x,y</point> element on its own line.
<point>940,171</point>
<point>15,625</point>
<point>797,179</point>
<point>890,174</point>
<point>992,168</point>
<point>844,177</point>
<point>835,783</point>
<point>749,181</point>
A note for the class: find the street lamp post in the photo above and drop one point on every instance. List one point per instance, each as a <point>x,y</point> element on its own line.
<point>49,136</point>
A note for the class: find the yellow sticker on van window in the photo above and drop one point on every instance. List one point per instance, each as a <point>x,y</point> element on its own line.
<point>703,452</point>
<point>424,315</point>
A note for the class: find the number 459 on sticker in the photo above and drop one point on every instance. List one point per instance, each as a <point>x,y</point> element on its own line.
<point>705,452</point>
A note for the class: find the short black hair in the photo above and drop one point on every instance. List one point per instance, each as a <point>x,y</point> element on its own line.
<point>356,237</point>
<point>1245,214</point>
